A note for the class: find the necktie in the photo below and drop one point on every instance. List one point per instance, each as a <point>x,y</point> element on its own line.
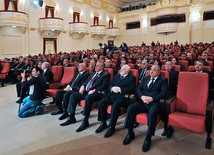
<point>75,80</point>
<point>142,74</point>
<point>151,83</point>
<point>90,82</point>
<point>121,78</point>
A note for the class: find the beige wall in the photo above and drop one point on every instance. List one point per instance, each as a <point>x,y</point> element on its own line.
<point>31,41</point>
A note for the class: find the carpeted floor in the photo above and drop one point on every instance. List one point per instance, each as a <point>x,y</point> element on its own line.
<point>42,135</point>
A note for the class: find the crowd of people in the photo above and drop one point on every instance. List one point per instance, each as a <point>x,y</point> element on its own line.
<point>35,74</point>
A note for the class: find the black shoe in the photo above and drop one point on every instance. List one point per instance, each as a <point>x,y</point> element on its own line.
<point>110,132</point>
<point>136,124</point>
<point>82,127</point>
<point>52,102</point>
<point>59,111</point>
<point>70,120</point>
<point>19,100</point>
<point>40,110</point>
<point>102,126</point>
<point>128,138</point>
<point>146,145</point>
<point>164,132</point>
<point>63,116</point>
<point>170,132</point>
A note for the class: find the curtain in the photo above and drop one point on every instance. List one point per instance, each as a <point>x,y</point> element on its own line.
<point>15,3</point>
<point>6,4</point>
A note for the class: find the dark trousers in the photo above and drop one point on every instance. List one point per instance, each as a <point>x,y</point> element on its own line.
<point>116,102</point>
<point>77,97</point>
<point>21,91</point>
<point>152,111</point>
<point>63,95</point>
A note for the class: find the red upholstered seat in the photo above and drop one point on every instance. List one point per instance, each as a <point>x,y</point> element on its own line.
<point>187,121</point>
<point>57,72</point>
<point>111,72</point>
<point>189,109</point>
<point>5,70</point>
<point>131,65</point>
<point>67,77</point>
<point>184,63</point>
<point>142,118</point>
<point>89,70</point>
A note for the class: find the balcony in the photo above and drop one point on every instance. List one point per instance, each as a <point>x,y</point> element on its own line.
<point>98,31</point>
<point>78,29</point>
<point>167,27</point>
<point>50,26</point>
<point>113,32</point>
<point>14,18</point>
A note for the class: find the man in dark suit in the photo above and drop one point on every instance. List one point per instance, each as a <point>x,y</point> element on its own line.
<point>150,91</point>
<point>65,63</point>
<point>205,56</point>
<point>173,78</point>
<point>123,83</point>
<point>77,81</point>
<point>97,81</point>
<point>151,59</point>
<point>47,73</point>
<point>142,72</point>
<point>108,64</point>
<point>199,67</point>
<point>82,56</point>
<point>60,62</point>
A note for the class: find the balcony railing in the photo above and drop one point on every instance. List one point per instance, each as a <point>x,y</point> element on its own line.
<point>13,18</point>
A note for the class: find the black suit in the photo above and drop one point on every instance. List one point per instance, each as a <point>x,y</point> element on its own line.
<point>173,81</point>
<point>127,86</point>
<point>142,74</point>
<point>65,95</point>
<point>157,91</point>
<point>19,70</point>
<point>48,75</point>
<point>100,83</point>
<point>60,62</point>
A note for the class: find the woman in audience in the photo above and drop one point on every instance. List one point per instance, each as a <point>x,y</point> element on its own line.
<point>175,62</point>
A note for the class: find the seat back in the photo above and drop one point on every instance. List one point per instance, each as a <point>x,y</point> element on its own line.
<point>131,65</point>
<point>5,68</point>
<point>184,63</point>
<point>135,73</point>
<point>68,74</point>
<point>89,70</point>
<point>192,92</point>
<point>57,72</point>
<point>111,72</point>
<point>192,68</point>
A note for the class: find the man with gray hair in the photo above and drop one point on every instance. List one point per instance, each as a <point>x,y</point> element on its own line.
<point>47,73</point>
<point>142,72</point>
<point>123,83</point>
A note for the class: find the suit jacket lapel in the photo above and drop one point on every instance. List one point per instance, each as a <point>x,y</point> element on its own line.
<point>155,82</point>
